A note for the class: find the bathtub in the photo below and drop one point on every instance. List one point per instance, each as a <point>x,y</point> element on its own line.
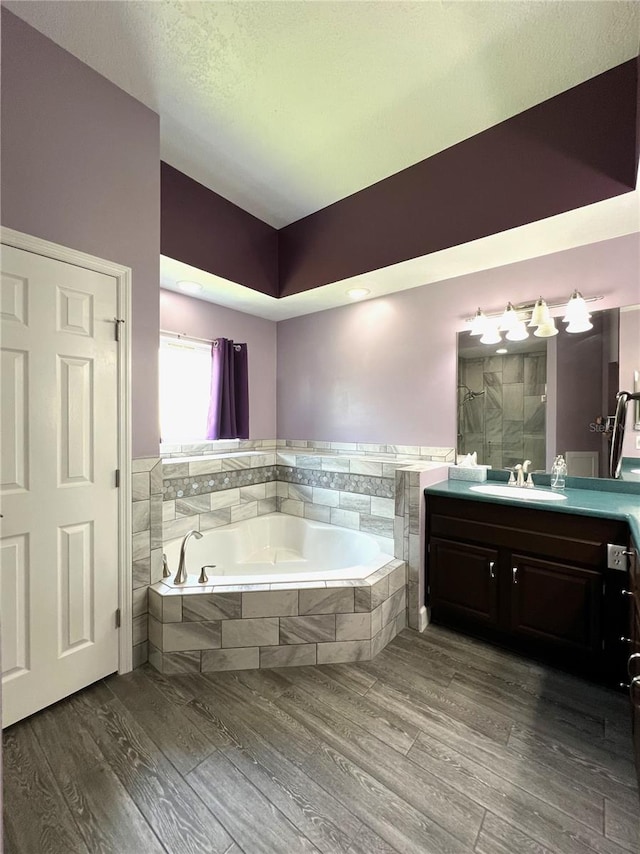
<point>277,548</point>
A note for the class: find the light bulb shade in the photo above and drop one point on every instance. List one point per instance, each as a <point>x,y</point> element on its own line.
<point>580,325</point>
<point>518,332</point>
<point>478,324</point>
<point>509,318</point>
<point>546,330</point>
<point>491,333</point>
<point>540,314</point>
<point>576,310</point>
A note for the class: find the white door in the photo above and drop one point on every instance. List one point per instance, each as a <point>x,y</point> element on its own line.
<point>58,455</point>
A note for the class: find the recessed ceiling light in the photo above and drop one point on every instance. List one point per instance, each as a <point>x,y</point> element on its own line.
<point>501,351</point>
<point>190,287</point>
<point>357,293</point>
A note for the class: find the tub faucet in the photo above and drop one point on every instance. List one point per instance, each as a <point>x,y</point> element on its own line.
<point>181,574</point>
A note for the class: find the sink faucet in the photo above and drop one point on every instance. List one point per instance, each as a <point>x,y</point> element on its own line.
<point>522,472</point>
<point>181,574</point>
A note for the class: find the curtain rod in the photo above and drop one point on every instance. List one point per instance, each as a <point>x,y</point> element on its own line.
<point>184,335</point>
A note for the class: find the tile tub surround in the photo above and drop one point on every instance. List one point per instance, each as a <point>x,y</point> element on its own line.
<point>258,627</point>
<point>371,488</point>
<point>146,528</point>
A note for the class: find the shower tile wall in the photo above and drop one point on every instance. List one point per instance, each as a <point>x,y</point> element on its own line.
<point>506,424</point>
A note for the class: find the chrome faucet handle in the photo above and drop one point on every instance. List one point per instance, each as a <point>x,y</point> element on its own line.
<point>529,481</point>
<point>525,466</point>
<point>166,572</point>
<point>203,575</point>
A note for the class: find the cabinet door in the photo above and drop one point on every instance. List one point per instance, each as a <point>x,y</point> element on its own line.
<point>556,604</point>
<point>463,581</point>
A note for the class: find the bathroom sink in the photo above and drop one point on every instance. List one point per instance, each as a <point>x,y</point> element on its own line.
<point>525,493</point>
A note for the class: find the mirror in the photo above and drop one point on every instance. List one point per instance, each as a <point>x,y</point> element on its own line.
<point>544,396</point>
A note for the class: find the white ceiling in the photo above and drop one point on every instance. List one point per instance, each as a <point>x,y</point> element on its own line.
<point>286,107</point>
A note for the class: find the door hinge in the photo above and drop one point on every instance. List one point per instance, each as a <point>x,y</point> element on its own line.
<point>118,618</point>
<point>117,321</point>
<point>117,478</point>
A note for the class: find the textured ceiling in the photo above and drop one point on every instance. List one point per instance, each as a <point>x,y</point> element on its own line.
<point>286,107</point>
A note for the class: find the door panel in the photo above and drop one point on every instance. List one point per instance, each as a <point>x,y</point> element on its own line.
<point>555,603</point>
<point>463,581</point>
<point>60,505</point>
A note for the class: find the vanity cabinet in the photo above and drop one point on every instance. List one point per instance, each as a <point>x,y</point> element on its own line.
<point>531,579</point>
<point>634,663</point>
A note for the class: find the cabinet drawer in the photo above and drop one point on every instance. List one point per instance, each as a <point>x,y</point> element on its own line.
<point>563,537</point>
<point>556,604</point>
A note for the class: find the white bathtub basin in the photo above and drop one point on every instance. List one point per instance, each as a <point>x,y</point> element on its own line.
<point>524,494</point>
<point>278,548</point>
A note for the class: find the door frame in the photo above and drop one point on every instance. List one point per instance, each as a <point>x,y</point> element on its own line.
<point>122,275</point>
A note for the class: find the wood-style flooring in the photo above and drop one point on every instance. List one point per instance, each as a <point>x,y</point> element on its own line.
<point>441,745</point>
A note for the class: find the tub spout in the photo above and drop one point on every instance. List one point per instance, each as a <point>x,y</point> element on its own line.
<point>181,574</point>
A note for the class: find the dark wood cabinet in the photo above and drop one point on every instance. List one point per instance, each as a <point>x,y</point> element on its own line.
<point>633,666</point>
<point>531,579</point>
<point>467,581</point>
<point>556,604</point>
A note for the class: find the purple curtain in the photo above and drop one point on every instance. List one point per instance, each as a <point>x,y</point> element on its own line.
<point>229,402</point>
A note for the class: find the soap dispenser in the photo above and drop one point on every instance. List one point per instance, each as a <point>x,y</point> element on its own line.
<point>558,473</point>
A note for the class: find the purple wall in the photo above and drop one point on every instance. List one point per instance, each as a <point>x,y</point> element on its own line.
<point>81,167</point>
<point>385,370</point>
<point>200,319</point>
<point>204,230</point>
<point>569,151</point>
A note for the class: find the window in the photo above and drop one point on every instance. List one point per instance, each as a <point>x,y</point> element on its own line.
<point>185,382</point>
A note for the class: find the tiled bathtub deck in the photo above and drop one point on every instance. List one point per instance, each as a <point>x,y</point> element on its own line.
<point>262,625</point>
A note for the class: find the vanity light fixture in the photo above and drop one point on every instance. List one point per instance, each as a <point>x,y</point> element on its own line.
<point>513,320</point>
<point>540,313</point>
<point>577,315</point>
<point>491,333</point>
<point>501,351</point>
<point>580,325</point>
<point>509,318</point>
<point>518,332</point>
<point>547,329</point>
<point>478,324</point>
<point>358,293</point>
<point>190,287</point>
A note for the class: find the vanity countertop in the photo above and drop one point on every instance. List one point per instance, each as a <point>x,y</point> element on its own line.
<point>581,502</point>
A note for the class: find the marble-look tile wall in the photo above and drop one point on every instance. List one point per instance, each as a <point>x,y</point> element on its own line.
<point>208,493</point>
<point>146,519</point>
<point>345,491</point>
<point>506,424</point>
<point>237,630</point>
<point>407,538</point>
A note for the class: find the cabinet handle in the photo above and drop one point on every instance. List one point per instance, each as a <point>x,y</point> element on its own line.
<point>635,683</point>
<point>634,657</point>
<point>627,593</point>
<point>623,639</point>
<point>514,574</point>
<point>492,569</point>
